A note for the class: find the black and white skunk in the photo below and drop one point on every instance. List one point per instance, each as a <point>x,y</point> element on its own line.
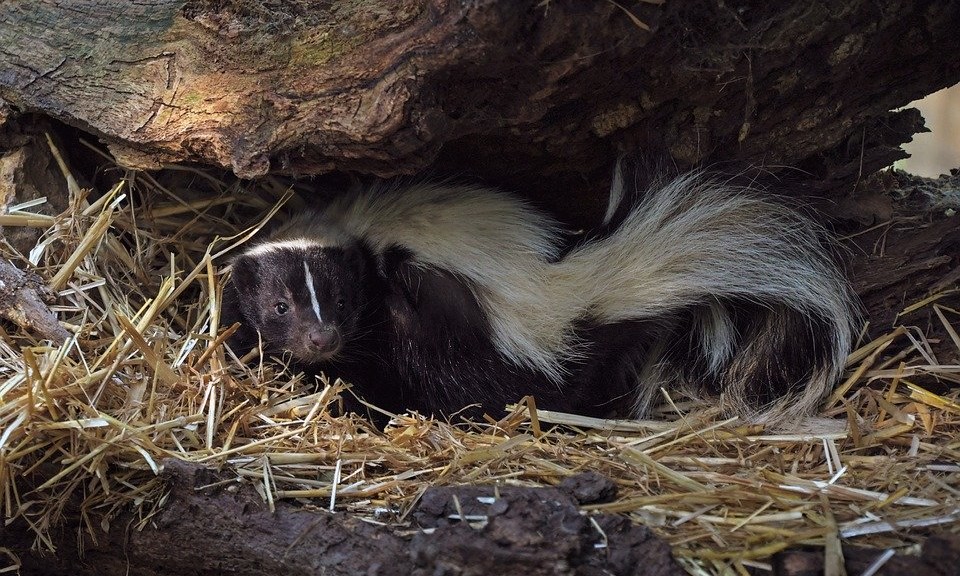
<point>435,297</point>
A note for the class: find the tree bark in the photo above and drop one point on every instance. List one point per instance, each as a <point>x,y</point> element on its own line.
<point>907,250</point>
<point>23,301</point>
<point>209,525</point>
<point>939,556</point>
<point>535,95</point>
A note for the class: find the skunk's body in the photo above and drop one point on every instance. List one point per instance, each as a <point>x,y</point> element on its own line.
<point>436,297</point>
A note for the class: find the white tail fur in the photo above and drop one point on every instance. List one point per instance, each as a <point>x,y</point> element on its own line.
<point>696,242</point>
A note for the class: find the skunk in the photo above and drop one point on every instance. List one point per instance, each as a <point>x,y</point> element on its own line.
<point>435,297</point>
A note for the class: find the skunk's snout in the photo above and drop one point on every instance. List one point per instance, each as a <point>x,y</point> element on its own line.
<point>323,340</point>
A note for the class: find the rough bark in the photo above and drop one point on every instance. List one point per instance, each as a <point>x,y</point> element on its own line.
<point>907,249</point>
<point>208,526</point>
<point>535,95</point>
<point>939,556</point>
<point>23,301</point>
<point>28,171</point>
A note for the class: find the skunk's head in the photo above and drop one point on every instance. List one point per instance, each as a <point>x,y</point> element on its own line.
<point>303,299</point>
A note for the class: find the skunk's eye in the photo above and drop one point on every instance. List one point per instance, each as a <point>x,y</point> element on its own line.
<point>340,304</point>
<point>281,307</point>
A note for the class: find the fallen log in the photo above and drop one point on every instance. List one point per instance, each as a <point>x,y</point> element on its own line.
<point>538,96</point>
<point>212,523</point>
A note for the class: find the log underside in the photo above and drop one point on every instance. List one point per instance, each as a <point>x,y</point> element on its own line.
<point>537,96</point>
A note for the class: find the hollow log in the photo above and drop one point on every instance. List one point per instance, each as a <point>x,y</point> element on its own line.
<point>539,96</point>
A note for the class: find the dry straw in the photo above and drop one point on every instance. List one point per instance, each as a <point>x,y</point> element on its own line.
<point>146,377</point>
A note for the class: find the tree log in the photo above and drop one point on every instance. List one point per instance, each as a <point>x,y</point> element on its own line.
<point>535,95</point>
<point>939,556</point>
<point>29,171</point>
<point>210,525</point>
<point>908,250</point>
<point>23,301</point>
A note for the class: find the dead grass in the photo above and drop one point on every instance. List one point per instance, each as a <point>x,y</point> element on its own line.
<point>146,378</point>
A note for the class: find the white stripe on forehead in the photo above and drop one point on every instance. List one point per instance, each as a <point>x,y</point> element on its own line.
<point>291,244</point>
<point>312,291</point>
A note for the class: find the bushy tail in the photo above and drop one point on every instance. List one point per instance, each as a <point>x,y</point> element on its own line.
<point>743,290</point>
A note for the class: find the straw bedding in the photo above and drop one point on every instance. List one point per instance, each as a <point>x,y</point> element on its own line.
<point>145,376</point>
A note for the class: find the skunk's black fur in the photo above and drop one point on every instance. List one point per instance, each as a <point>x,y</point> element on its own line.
<point>436,297</point>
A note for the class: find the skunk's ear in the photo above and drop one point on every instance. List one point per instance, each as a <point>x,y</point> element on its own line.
<point>244,276</point>
<point>236,304</point>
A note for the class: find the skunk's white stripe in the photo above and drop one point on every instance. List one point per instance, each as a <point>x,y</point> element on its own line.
<point>289,244</point>
<point>313,293</point>
<point>616,194</point>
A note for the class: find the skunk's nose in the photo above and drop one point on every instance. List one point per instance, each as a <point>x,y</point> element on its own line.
<point>324,339</point>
